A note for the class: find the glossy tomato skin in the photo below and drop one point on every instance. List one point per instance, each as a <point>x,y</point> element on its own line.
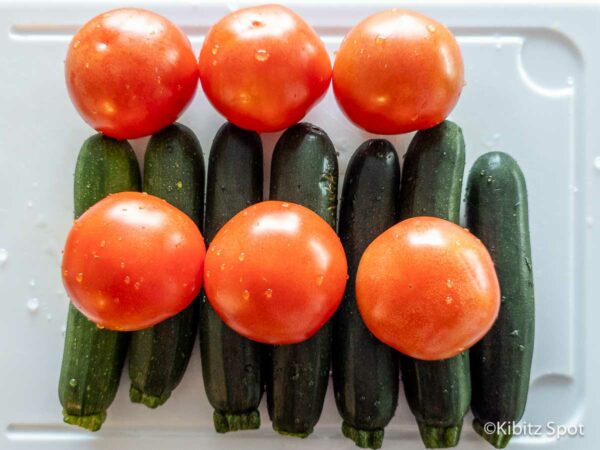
<point>130,72</point>
<point>263,67</point>
<point>398,71</point>
<point>132,260</point>
<point>427,288</point>
<point>275,273</point>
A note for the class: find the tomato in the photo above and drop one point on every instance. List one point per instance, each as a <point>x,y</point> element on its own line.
<point>263,68</point>
<point>398,71</point>
<point>275,273</point>
<point>130,72</point>
<point>427,288</point>
<point>132,260</point>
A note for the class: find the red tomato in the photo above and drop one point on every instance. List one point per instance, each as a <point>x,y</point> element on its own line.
<point>132,260</point>
<point>263,68</point>
<point>130,72</point>
<point>398,71</point>
<point>275,273</point>
<point>427,288</point>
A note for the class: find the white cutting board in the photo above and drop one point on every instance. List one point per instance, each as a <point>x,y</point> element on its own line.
<point>533,76</point>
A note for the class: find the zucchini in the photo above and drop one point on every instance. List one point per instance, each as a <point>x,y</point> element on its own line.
<point>365,371</point>
<point>304,170</point>
<point>231,364</point>
<point>93,358</point>
<point>497,213</point>
<point>438,392</point>
<point>159,355</point>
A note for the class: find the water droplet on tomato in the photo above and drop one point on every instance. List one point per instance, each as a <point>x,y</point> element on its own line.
<point>137,285</point>
<point>79,277</point>
<point>208,274</point>
<point>103,243</point>
<point>215,49</point>
<point>246,294</point>
<point>223,266</point>
<point>219,251</point>
<point>380,39</point>
<point>242,256</point>
<point>320,280</point>
<point>449,300</point>
<point>122,265</point>
<point>269,293</point>
<point>431,28</point>
<point>76,43</point>
<point>126,280</point>
<point>449,283</point>
<point>261,55</point>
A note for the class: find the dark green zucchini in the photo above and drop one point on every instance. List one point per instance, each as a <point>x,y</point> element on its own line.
<point>231,364</point>
<point>438,392</point>
<point>497,213</point>
<point>365,371</point>
<point>93,358</point>
<point>304,170</point>
<point>159,355</point>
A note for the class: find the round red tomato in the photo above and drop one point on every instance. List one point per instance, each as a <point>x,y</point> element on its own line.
<point>132,260</point>
<point>427,288</point>
<point>130,72</point>
<point>275,273</point>
<point>398,71</point>
<point>263,68</point>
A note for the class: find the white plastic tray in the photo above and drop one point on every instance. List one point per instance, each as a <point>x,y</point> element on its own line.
<point>533,76</point>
